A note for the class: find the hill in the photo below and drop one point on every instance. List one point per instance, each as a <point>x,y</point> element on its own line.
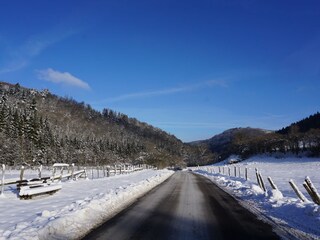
<point>223,145</point>
<point>37,126</point>
<point>300,138</point>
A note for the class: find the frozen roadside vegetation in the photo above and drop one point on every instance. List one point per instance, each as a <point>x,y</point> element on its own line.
<point>76,209</point>
<point>292,216</point>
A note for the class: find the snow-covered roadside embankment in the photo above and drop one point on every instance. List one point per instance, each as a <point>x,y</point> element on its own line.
<point>78,218</point>
<point>301,219</point>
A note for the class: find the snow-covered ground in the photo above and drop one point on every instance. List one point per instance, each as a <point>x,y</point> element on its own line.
<point>73,211</point>
<point>302,219</point>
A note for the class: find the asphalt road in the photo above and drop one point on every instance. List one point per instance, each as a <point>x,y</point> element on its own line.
<point>186,206</point>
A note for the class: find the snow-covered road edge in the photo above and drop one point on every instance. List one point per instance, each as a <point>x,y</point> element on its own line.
<point>79,218</point>
<point>250,196</point>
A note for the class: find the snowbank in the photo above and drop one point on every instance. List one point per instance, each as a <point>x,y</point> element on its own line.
<point>77,208</point>
<point>295,218</point>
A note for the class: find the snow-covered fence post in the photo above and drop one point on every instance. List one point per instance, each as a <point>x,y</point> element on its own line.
<point>239,172</point>
<point>305,185</point>
<point>98,172</point>
<point>273,185</point>
<point>2,183</point>
<point>104,171</point>
<point>108,171</point>
<point>297,191</point>
<point>53,172</point>
<point>229,171</point>
<point>315,195</point>
<point>21,173</point>
<point>39,171</point>
<point>61,173</point>
<point>262,182</point>
<point>91,172</point>
<point>258,179</point>
<point>72,171</point>
<point>246,173</point>
<point>85,172</point>
<point>219,170</point>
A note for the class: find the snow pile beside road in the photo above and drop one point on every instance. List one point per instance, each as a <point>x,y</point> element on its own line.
<point>90,204</point>
<point>301,219</point>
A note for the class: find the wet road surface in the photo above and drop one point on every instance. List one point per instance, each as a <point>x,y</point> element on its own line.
<point>186,206</point>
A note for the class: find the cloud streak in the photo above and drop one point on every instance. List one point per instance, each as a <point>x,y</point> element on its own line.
<point>62,78</point>
<point>168,91</point>
<point>22,55</point>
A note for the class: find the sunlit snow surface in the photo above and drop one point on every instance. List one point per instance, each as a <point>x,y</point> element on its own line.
<point>75,209</point>
<point>283,207</point>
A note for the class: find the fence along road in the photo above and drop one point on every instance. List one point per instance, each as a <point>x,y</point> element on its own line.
<point>186,206</point>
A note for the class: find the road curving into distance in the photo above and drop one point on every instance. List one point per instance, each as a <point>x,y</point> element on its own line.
<point>186,206</point>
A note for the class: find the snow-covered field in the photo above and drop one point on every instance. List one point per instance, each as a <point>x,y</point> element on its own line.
<point>302,219</point>
<point>73,211</point>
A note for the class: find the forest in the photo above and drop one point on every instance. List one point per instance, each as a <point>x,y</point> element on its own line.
<point>39,127</point>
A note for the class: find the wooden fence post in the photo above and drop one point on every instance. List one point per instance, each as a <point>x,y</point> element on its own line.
<point>85,173</point>
<point>21,173</point>
<point>297,191</point>
<point>229,171</point>
<point>72,171</point>
<point>273,185</point>
<point>258,179</point>
<point>313,190</point>
<point>2,183</point>
<point>305,185</point>
<point>235,171</point>
<point>239,172</point>
<point>108,171</point>
<point>262,182</point>
<point>39,171</point>
<point>246,173</point>
<point>53,172</point>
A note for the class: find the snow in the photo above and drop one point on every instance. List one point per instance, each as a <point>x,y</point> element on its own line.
<point>74,210</point>
<point>294,217</point>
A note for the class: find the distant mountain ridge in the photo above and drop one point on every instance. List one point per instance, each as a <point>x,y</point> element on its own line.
<point>221,143</point>
<point>302,137</point>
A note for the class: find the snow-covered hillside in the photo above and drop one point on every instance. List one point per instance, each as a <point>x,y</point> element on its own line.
<point>301,219</point>
<point>74,210</point>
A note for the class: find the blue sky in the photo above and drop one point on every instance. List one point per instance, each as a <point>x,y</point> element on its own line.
<point>191,68</point>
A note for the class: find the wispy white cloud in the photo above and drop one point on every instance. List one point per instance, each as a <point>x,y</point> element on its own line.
<point>168,91</point>
<point>62,78</point>
<point>20,56</point>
